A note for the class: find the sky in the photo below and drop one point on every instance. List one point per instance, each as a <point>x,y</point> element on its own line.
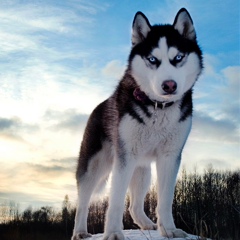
<point>59,59</point>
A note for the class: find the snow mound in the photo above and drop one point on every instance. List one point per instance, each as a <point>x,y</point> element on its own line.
<point>143,235</point>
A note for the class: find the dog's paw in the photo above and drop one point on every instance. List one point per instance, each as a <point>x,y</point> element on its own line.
<point>149,227</point>
<point>174,233</point>
<point>114,236</point>
<point>81,235</point>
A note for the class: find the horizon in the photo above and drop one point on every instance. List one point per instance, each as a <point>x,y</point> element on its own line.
<point>61,59</point>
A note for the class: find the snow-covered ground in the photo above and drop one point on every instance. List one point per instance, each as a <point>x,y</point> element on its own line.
<point>143,235</point>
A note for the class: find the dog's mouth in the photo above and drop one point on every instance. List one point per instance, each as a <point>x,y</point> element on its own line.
<point>142,96</point>
<point>167,95</point>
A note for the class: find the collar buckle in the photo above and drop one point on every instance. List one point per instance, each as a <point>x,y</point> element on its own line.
<point>142,97</point>
<point>163,105</point>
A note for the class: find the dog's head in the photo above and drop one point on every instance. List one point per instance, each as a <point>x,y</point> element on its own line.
<point>165,60</point>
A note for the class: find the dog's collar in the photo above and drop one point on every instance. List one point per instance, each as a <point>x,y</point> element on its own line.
<point>142,97</point>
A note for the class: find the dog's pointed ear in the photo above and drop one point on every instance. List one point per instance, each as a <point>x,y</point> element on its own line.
<point>184,25</point>
<point>140,28</point>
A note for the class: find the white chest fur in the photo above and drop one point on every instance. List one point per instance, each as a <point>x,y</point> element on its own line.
<point>165,134</point>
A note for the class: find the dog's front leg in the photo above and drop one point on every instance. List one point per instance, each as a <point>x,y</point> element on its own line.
<point>167,169</point>
<point>122,173</point>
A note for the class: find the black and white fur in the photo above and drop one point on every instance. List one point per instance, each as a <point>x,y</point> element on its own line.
<point>148,118</point>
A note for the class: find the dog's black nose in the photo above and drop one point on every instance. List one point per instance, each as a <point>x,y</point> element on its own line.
<point>169,86</point>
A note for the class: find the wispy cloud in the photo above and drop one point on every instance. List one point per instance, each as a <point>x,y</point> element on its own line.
<point>217,111</point>
<point>12,129</point>
<point>217,91</point>
<point>69,120</point>
<point>215,131</point>
<point>42,181</point>
<point>208,129</point>
<point>114,70</point>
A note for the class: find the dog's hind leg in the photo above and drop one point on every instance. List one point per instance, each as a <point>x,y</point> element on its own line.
<point>97,172</point>
<point>138,188</point>
<point>85,190</point>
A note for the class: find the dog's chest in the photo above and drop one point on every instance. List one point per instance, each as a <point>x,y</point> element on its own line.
<point>158,132</point>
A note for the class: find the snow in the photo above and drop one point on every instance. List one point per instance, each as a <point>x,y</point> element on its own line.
<point>143,235</point>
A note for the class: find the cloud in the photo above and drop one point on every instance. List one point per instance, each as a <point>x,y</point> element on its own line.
<point>50,171</point>
<point>15,123</point>
<point>210,63</point>
<point>217,163</point>
<point>20,197</point>
<point>7,123</point>
<point>37,29</point>
<point>13,129</point>
<point>208,129</point>
<point>44,16</point>
<point>44,64</point>
<point>56,135</point>
<point>215,132</point>
<point>44,184</point>
<point>231,93</point>
<point>114,69</point>
<point>217,93</point>
<point>69,120</point>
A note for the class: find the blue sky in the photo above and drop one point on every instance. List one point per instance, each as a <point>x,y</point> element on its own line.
<point>59,59</point>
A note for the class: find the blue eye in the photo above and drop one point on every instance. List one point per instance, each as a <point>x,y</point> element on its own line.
<point>152,60</point>
<point>179,57</point>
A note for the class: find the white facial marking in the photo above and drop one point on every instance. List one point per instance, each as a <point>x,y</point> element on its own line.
<point>157,53</point>
<point>163,47</point>
<point>172,52</point>
<point>150,78</point>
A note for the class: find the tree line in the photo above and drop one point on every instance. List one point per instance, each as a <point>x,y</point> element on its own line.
<point>205,204</point>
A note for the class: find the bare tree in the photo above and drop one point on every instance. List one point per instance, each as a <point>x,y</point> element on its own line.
<point>66,209</point>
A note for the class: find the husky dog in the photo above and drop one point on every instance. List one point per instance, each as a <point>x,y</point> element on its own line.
<point>147,118</point>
